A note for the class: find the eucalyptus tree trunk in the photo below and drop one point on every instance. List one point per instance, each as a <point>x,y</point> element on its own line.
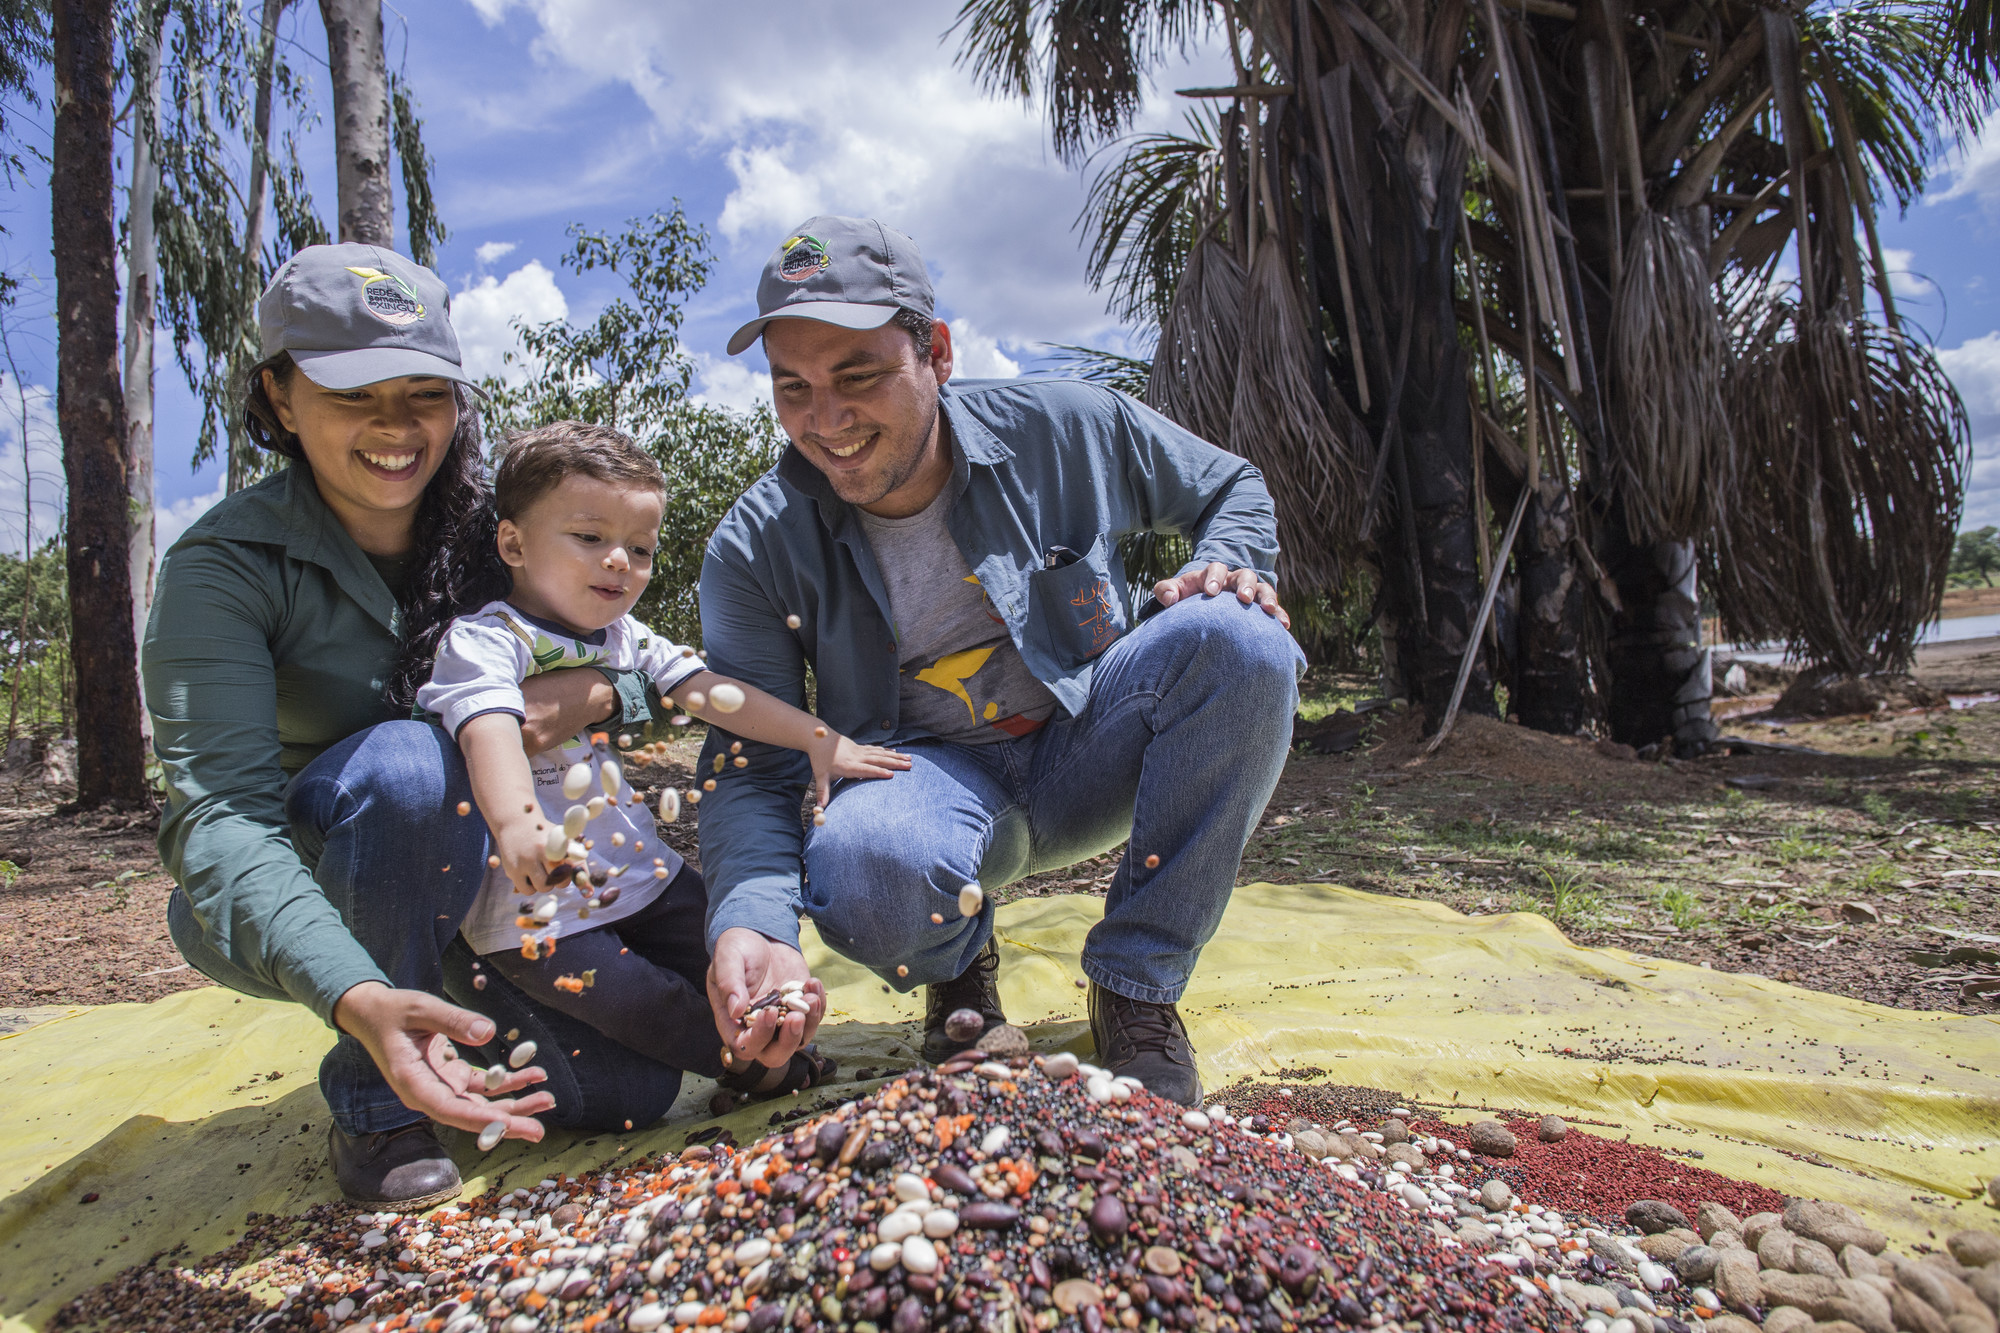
<point>360,119</point>
<point>90,408</point>
<point>256,198</point>
<point>142,266</point>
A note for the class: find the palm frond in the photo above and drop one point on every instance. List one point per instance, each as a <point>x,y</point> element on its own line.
<point>1856,453</point>
<point>1145,208</point>
<point>1088,58</point>
<point>1114,370</point>
<point>1670,439</point>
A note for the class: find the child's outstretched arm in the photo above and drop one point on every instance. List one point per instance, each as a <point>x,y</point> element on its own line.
<point>505,790</point>
<point>774,722</point>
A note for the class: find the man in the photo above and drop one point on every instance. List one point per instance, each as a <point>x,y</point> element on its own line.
<point>945,558</point>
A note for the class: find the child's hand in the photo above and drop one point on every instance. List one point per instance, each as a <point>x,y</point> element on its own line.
<point>522,851</point>
<point>840,757</point>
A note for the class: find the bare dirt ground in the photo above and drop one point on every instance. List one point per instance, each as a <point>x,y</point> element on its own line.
<point>1871,869</point>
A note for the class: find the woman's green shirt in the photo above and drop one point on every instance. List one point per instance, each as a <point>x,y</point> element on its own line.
<point>271,638</point>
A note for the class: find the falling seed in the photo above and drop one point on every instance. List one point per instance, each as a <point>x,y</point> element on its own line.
<point>529,950</point>
<point>624,740</point>
<point>687,652</point>
<point>1153,861</point>
<point>528,809</point>
<point>720,760</point>
<point>681,719</point>
<point>706,786</point>
<point>479,981</point>
<point>819,732</point>
<point>513,1034</point>
<point>937,918</point>
<point>736,747</point>
<point>628,1124</point>
<point>1079,983</point>
<point>574,819</point>
<point>465,807</point>
<point>590,976</point>
<point>696,700</point>
<point>617,840</point>
<point>741,762</point>
<point>819,819</point>
<point>964,1024</point>
<point>726,697</point>
<point>575,851</point>
<point>552,849</point>
<point>594,806</point>
<point>489,1138</point>
<point>694,797</point>
<point>670,809</point>
<point>659,860</point>
<point>610,775</point>
<point>577,780</point>
<point>492,863</point>
<point>792,622</point>
<point>494,1077</point>
<point>546,909</point>
<point>659,872</point>
<point>902,970</point>
<point>521,1054</point>
<point>609,896</point>
<point>640,846</point>
<point>970,898</point>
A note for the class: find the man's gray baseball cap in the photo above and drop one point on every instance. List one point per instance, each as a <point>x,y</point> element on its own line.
<point>359,314</point>
<point>853,272</point>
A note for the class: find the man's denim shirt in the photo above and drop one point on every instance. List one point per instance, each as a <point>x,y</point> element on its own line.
<point>1042,471</point>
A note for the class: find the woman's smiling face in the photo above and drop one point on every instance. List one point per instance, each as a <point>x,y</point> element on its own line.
<point>582,553</point>
<point>374,449</point>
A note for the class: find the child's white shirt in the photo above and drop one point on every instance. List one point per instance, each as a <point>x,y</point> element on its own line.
<point>480,664</point>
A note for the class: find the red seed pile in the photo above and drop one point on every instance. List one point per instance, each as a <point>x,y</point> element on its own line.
<point>1065,1210</point>
<point>1581,1174</point>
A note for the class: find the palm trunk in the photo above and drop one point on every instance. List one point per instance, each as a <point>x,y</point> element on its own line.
<point>91,409</point>
<point>360,119</point>
<point>1659,687</point>
<point>1550,673</point>
<point>142,262</point>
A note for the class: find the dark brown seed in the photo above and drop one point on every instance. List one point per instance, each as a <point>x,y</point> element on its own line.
<point>956,1179</point>
<point>1088,1143</point>
<point>964,1024</point>
<point>1162,1260</point>
<point>767,1317</point>
<point>911,1317</point>
<point>988,1215</point>
<point>877,1156</point>
<point>1108,1219</point>
<point>831,1136</point>
<point>787,1186</point>
<point>1038,1271</point>
<point>1298,1270</point>
<point>850,1148</point>
<point>567,1216</point>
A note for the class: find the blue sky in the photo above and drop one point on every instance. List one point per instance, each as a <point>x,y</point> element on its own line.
<point>759,113</point>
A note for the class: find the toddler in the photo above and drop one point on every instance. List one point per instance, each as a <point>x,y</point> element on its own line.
<point>583,907</point>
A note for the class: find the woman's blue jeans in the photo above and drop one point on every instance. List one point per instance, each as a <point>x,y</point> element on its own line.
<point>376,818</point>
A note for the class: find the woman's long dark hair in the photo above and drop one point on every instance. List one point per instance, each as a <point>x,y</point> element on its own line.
<point>455,566</point>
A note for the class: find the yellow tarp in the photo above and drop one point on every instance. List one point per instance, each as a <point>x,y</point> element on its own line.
<point>184,1114</point>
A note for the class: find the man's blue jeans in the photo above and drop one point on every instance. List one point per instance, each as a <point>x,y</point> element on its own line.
<point>376,817</point>
<point>1186,733</point>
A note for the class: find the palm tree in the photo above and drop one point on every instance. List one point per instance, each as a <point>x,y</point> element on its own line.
<point>1431,255</point>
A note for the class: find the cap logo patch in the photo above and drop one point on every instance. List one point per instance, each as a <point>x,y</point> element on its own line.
<point>802,257</point>
<point>388,297</point>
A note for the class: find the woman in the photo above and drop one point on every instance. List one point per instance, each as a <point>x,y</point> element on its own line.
<point>314,836</point>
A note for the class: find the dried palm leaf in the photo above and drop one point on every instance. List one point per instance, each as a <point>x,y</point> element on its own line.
<point>1670,440</point>
<point>1279,421</point>
<point>1194,364</point>
<point>1855,452</point>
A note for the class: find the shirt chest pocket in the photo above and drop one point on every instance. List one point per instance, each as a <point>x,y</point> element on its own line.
<point>1079,609</point>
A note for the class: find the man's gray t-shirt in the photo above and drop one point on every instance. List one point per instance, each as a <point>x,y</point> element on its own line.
<point>962,677</point>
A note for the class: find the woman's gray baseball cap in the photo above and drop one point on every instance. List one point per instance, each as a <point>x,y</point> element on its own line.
<point>359,314</point>
<point>853,272</point>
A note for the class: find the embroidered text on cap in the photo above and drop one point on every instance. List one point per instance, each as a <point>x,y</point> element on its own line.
<point>388,296</point>
<point>803,257</point>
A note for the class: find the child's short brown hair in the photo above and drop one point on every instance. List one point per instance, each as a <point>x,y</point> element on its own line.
<point>537,461</point>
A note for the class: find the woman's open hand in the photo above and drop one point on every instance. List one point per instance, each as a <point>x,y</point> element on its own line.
<point>409,1035</point>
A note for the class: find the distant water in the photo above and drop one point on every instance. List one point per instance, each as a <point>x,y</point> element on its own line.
<point>1944,631</point>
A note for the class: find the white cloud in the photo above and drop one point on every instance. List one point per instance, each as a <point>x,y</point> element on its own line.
<point>171,520</point>
<point>484,314</point>
<point>978,356</point>
<point>492,252</point>
<point>1972,172</point>
<point>1903,280</point>
<point>853,108</point>
<point>1974,367</point>
<point>728,382</point>
<point>29,411</point>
